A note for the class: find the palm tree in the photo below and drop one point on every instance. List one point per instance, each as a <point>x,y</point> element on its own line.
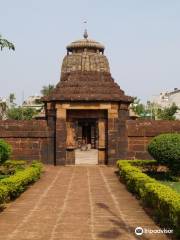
<point>5,43</point>
<point>46,90</point>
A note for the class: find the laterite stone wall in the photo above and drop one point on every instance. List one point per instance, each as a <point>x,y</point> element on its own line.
<point>140,133</point>
<point>30,140</point>
<point>33,140</point>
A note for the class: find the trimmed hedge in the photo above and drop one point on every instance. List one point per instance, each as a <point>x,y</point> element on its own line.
<point>15,163</point>
<point>165,148</point>
<point>9,167</point>
<point>164,202</point>
<point>14,185</point>
<point>3,194</point>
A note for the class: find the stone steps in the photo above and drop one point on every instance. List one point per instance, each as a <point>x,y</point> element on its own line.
<point>86,157</point>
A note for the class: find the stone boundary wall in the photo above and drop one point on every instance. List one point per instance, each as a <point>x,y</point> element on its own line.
<point>33,140</point>
<point>30,140</point>
<point>140,132</point>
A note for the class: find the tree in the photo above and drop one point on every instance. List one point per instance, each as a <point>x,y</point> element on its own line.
<point>12,97</point>
<point>6,44</point>
<point>139,108</point>
<point>152,109</point>
<point>167,113</point>
<point>20,113</point>
<point>46,90</point>
<point>5,151</point>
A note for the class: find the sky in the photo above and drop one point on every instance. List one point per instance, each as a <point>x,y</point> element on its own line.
<point>142,40</point>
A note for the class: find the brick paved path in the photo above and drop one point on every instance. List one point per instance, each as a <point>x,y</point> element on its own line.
<point>75,203</point>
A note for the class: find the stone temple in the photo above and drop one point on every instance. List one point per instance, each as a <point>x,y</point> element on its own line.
<point>87,110</point>
<point>86,117</point>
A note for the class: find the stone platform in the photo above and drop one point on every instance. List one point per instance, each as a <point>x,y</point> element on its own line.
<point>86,157</point>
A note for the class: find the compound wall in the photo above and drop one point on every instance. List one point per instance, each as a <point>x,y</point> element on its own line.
<point>30,140</point>
<point>140,133</point>
<point>33,140</point>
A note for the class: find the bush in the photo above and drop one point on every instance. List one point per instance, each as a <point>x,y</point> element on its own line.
<point>164,202</point>
<point>15,163</point>
<point>11,166</point>
<point>13,186</point>
<point>5,151</point>
<point>165,148</point>
<point>3,194</point>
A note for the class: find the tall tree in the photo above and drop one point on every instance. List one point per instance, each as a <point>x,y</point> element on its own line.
<point>46,90</point>
<point>4,43</point>
<point>139,108</point>
<point>167,113</point>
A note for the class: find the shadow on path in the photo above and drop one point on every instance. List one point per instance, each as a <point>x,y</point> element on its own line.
<point>115,233</point>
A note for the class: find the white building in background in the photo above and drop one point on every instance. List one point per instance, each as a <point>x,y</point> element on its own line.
<point>166,99</point>
<point>33,102</point>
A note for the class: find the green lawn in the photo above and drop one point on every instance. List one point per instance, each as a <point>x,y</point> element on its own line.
<point>166,179</point>
<point>173,185</point>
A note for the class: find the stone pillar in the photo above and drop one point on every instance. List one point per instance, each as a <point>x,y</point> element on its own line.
<point>112,141</point>
<point>70,143</point>
<point>113,134</point>
<point>117,133</point>
<point>51,121</point>
<point>102,141</point>
<point>61,135</point>
<point>123,143</point>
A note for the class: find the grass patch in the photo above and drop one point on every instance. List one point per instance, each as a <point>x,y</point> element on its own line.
<point>174,185</point>
<point>166,178</point>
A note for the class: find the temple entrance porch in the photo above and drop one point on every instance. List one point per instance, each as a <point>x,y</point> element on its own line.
<point>86,126</point>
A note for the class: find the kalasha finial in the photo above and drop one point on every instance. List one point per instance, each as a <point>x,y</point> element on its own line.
<point>85,35</point>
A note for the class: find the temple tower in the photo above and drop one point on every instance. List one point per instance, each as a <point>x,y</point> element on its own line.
<point>87,110</point>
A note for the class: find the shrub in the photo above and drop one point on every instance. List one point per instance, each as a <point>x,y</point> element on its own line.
<point>3,194</point>
<point>13,186</point>
<point>5,151</point>
<point>164,202</point>
<point>165,148</point>
<point>15,163</point>
<point>11,166</point>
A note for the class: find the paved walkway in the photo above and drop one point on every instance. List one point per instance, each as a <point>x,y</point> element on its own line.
<point>75,203</point>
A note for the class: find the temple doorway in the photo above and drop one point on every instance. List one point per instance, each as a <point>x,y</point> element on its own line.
<point>87,142</point>
<point>86,139</point>
<point>87,134</point>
